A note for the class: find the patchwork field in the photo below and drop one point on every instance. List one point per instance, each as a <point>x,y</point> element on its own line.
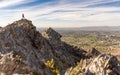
<point>104,41</point>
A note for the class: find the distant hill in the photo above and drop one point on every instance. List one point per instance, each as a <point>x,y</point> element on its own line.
<point>101,28</point>
<point>92,28</point>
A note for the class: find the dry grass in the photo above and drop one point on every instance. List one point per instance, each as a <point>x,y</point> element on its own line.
<point>115,52</point>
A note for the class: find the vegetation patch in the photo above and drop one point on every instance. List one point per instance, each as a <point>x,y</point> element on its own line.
<point>51,64</point>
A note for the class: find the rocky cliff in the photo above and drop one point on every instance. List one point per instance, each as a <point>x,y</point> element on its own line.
<point>23,50</point>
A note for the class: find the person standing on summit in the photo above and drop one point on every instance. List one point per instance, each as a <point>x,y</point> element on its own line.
<point>23,17</point>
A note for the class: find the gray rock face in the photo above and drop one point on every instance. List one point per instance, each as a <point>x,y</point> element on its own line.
<point>52,34</point>
<point>22,39</point>
<point>93,52</point>
<point>25,51</point>
<point>65,54</point>
<point>104,64</point>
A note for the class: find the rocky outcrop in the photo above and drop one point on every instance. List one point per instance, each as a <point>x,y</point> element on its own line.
<point>51,34</point>
<point>104,64</point>
<point>93,52</point>
<point>26,51</point>
<point>22,39</point>
<point>65,54</point>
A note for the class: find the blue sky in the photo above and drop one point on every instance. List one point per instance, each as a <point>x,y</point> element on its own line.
<point>62,13</point>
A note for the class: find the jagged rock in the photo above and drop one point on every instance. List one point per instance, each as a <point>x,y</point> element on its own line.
<point>25,51</point>
<point>11,64</point>
<point>93,52</point>
<point>22,39</point>
<point>104,64</point>
<point>51,34</point>
<point>65,54</point>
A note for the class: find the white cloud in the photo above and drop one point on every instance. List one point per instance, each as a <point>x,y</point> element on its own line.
<point>64,13</point>
<point>6,3</point>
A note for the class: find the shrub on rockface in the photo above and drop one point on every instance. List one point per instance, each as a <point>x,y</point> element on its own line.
<point>51,64</point>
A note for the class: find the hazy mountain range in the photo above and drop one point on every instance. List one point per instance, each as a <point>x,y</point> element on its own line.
<point>92,28</point>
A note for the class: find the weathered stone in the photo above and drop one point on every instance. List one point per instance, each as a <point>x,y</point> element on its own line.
<point>51,34</point>
<point>104,64</point>
<point>24,50</point>
<point>93,52</point>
